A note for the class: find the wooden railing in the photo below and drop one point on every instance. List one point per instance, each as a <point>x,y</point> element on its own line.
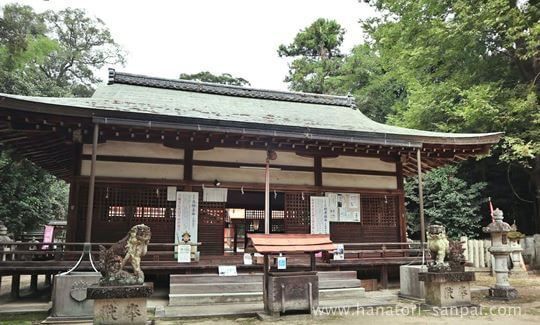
<point>382,250</point>
<point>71,251</point>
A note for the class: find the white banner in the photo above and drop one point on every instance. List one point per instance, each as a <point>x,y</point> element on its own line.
<point>320,223</point>
<point>214,194</point>
<point>187,215</point>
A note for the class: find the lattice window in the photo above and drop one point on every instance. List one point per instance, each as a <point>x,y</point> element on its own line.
<point>278,214</point>
<point>297,213</point>
<point>379,210</point>
<point>211,212</point>
<point>255,214</point>
<point>116,202</point>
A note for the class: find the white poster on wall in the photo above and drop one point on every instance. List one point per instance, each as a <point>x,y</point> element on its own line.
<point>187,216</point>
<point>320,223</point>
<point>344,207</point>
<point>332,206</point>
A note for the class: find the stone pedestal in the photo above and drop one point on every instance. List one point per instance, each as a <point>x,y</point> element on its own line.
<point>291,291</point>
<point>69,297</point>
<point>503,293</point>
<point>120,304</point>
<point>409,284</point>
<point>447,289</point>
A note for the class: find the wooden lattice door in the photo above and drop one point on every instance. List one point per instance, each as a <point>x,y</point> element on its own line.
<point>296,219</point>
<point>211,225</point>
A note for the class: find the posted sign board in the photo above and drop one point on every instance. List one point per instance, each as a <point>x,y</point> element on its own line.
<point>187,216</point>
<point>320,222</point>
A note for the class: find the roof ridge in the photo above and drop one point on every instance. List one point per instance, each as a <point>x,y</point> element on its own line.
<point>228,90</point>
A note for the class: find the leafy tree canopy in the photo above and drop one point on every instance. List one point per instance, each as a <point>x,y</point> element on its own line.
<point>53,53</point>
<point>466,65</point>
<point>224,78</point>
<point>316,56</point>
<point>29,196</point>
<point>449,200</point>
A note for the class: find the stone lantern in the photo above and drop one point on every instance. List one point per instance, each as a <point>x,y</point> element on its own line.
<point>4,238</point>
<point>518,268</point>
<point>500,249</point>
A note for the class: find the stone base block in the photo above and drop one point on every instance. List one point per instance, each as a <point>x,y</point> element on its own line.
<point>508,293</point>
<point>120,304</point>
<point>120,311</point>
<point>409,284</point>
<point>447,289</point>
<point>519,274</point>
<point>69,298</point>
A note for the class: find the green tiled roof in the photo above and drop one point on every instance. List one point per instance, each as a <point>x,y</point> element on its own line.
<point>148,97</point>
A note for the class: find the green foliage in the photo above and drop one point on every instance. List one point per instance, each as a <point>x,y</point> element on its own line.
<point>29,196</point>
<point>224,78</point>
<point>53,53</point>
<point>448,200</point>
<point>451,66</point>
<point>45,54</point>
<point>466,65</point>
<point>363,75</point>
<point>316,56</point>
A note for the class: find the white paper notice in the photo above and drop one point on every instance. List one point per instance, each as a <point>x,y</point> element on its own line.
<point>184,253</point>
<point>187,215</point>
<point>354,201</point>
<point>332,206</point>
<point>320,224</point>
<point>171,193</point>
<point>227,270</point>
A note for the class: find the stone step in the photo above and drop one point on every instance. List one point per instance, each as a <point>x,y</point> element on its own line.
<point>186,288</point>
<point>342,293</point>
<point>195,299</point>
<point>214,278</point>
<point>336,275</point>
<point>339,284</point>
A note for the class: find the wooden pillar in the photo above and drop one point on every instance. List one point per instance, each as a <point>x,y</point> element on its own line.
<point>267,198</point>
<point>421,202</point>
<point>33,282</point>
<point>384,276</point>
<point>234,226</point>
<point>74,186</point>
<point>91,186</point>
<point>313,261</point>
<point>15,286</point>
<point>401,202</point>
<point>188,168</point>
<point>317,169</point>
<point>265,281</point>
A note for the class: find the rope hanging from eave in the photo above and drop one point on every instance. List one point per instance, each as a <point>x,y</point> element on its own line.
<point>512,186</point>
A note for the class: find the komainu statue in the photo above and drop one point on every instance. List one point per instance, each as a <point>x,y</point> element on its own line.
<point>438,245</point>
<point>128,250</point>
